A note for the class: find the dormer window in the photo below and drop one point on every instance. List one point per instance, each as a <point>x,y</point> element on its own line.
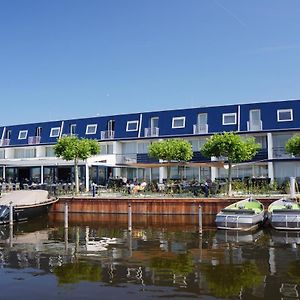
<point>91,129</point>
<point>55,132</point>
<point>22,134</point>
<point>178,122</point>
<point>284,115</point>
<point>229,119</point>
<point>132,125</point>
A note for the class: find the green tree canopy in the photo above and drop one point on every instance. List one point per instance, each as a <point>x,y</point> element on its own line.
<point>293,145</point>
<point>177,150</point>
<point>74,148</point>
<point>226,281</point>
<point>78,271</point>
<point>182,264</point>
<point>232,147</point>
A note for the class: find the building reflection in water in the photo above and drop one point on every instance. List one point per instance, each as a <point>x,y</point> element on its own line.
<point>164,252</point>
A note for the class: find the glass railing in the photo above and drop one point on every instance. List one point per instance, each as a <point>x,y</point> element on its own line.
<point>4,142</point>
<point>34,140</point>
<point>151,131</point>
<point>254,126</point>
<point>200,128</point>
<point>107,135</point>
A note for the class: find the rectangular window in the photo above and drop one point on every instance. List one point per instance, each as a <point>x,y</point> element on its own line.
<point>229,119</point>
<point>72,129</point>
<point>50,152</point>
<point>55,132</point>
<point>132,125</point>
<point>91,129</point>
<point>22,134</point>
<point>284,115</point>
<point>178,122</point>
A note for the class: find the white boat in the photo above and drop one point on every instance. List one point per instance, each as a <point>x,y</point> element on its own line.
<point>284,214</point>
<point>243,215</point>
<point>230,236</point>
<point>26,205</point>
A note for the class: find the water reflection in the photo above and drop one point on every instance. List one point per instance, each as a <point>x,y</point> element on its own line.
<point>157,259</point>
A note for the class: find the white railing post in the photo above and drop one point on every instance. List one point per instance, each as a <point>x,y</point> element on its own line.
<point>129,217</point>
<point>66,217</point>
<point>11,214</point>
<point>292,187</point>
<point>200,219</point>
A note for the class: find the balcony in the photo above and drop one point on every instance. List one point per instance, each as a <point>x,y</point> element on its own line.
<point>144,158</point>
<point>262,154</point>
<point>126,159</point>
<point>151,132</point>
<point>198,157</point>
<point>33,140</point>
<point>200,128</point>
<point>4,142</point>
<point>107,135</point>
<point>254,127</point>
<point>279,152</point>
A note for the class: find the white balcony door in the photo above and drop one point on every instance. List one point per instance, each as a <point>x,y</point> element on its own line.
<point>202,119</point>
<point>154,122</point>
<point>254,119</point>
<point>154,125</point>
<point>111,125</point>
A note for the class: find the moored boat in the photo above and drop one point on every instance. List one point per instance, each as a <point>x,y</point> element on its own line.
<point>243,215</point>
<point>284,214</point>
<point>26,205</point>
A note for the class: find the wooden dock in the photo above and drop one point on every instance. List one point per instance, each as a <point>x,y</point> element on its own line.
<point>148,206</point>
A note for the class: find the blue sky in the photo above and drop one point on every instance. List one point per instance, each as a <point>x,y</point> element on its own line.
<point>64,59</point>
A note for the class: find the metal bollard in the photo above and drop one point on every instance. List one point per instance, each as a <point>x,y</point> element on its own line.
<point>94,190</point>
<point>66,217</point>
<point>11,213</point>
<point>200,219</point>
<point>66,235</point>
<point>293,187</point>
<point>129,217</point>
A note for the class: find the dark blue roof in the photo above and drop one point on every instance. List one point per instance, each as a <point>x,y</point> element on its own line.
<point>214,120</point>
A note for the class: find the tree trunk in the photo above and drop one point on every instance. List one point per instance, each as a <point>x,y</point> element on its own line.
<point>229,179</point>
<point>76,176</point>
<point>168,173</point>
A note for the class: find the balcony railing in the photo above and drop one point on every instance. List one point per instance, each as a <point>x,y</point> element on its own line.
<point>200,128</point>
<point>32,140</point>
<point>4,142</point>
<point>254,127</point>
<point>145,158</point>
<point>151,131</point>
<point>107,135</point>
<point>279,152</point>
<point>126,158</point>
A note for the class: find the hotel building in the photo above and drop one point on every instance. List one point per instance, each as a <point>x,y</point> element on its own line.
<point>26,150</point>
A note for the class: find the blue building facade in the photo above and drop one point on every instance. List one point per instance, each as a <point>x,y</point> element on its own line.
<point>26,150</point>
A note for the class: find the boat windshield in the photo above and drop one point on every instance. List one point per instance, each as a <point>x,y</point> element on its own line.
<point>4,211</point>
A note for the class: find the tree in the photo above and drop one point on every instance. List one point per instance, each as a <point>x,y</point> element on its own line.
<point>171,150</point>
<point>293,145</point>
<point>74,148</point>
<point>231,146</point>
<point>78,271</point>
<point>227,281</point>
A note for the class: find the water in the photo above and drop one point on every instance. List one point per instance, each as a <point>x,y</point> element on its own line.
<point>163,257</point>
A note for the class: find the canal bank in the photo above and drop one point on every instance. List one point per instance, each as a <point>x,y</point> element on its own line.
<point>149,206</point>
